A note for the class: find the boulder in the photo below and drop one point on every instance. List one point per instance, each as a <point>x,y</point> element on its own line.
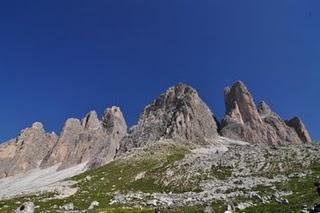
<point>68,207</point>
<point>27,207</point>
<point>93,205</point>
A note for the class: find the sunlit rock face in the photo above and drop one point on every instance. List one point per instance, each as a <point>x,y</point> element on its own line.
<point>258,125</point>
<point>26,151</point>
<point>179,114</point>
<point>300,128</point>
<point>89,140</point>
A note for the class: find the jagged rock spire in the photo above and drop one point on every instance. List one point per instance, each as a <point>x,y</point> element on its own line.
<point>238,99</point>
<point>115,126</point>
<point>88,140</point>
<point>91,121</point>
<point>114,122</point>
<point>300,128</point>
<point>179,113</point>
<point>26,150</point>
<point>245,121</point>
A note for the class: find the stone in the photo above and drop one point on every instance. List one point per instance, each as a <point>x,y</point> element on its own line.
<point>88,178</point>
<point>178,114</point>
<point>89,140</point>
<point>93,205</point>
<point>243,206</point>
<point>285,201</point>
<point>27,207</point>
<point>68,207</point>
<point>24,152</point>
<point>257,124</point>
<point>229,209</point>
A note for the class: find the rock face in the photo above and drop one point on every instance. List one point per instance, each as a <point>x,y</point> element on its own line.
<point>26,151</point>
<point>245,121</point>
<point>179,113</point>
<point>303,133</point>
<point>89,140</point>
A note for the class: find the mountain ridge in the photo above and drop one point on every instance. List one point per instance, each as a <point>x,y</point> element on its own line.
<point>178,113</point>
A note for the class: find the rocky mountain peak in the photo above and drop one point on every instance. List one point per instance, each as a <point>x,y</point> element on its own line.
<point>88,140</point>
<point>245,121</point>
<point>179,113</point>
<point>114,122</point>
<point>91,121</point>
<point>300,128</point>
<point>70,129</point>
<point>238,99</point>
<point>26,150</point>
<point>38,126</point>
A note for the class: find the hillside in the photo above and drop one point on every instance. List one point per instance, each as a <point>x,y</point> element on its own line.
<point>189,178</point>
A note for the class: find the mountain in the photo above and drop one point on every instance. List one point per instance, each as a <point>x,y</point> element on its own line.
<point>90,140</point>
<point>178,114</point>
<point>258,125</point>
<point>177,158</point>
<point>26,151</point>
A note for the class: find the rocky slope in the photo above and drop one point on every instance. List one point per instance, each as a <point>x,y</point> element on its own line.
<point>188,177</point>
<point>26,151</point>
<point>178,114</point>
<point>89,140</point>
<point>259,125</point>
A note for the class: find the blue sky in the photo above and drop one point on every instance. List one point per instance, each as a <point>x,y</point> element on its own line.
<point>60,59</point>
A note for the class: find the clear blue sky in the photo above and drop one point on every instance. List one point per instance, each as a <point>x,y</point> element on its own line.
<point>60,59</point>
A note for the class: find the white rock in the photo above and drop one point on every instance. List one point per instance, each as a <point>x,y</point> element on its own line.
<point>140,176</point>
<point>27,207</point>
<point>68,207</point>
<point>93,205</point>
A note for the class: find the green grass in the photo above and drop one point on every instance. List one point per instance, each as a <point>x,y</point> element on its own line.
<point>221,172</point>
<point>303,194</point>
<point>192,209</point>
<point>117,176</point>
<point>153,161</point>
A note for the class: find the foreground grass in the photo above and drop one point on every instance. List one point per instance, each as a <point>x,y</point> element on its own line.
<point>303,193</point>
<point>117,176</point>
<point>142,172</point>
